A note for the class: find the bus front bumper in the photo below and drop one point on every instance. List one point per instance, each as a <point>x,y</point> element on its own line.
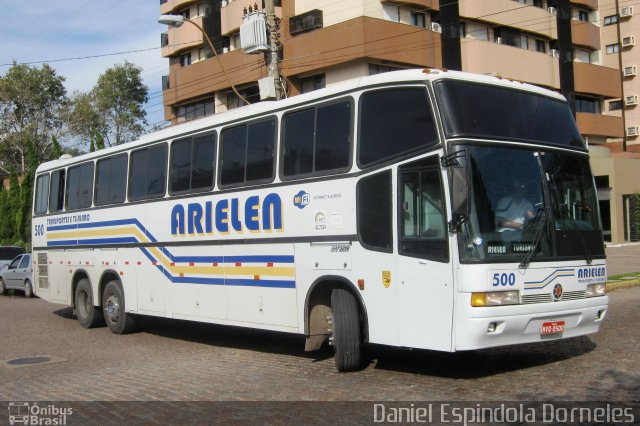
<point>485,327</point>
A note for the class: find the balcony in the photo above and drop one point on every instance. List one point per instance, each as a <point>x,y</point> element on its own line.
<point>585,34</point>
<point>589,4</point>
<point>511,14</point>
<point>596,80</point>
<point>599,125</point>
<point>206,77</point>
<point>183,38</point>
<point>484,57</point>
<point>362,37</point>
<point>170,5</point>
<point>425,4</point>
<point>231,14</point>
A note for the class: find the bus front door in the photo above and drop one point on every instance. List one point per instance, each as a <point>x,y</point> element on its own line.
<point>425,272</point>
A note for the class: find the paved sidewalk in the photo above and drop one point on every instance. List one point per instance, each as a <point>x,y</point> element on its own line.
<point>623,259</point>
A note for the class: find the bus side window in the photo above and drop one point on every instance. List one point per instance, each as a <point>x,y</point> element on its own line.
<point>375,212</point>
<point>192,164</point>
<point>148,173</point>
<point>56,193</point>
<point>422,211</point>
<point>42,194</point>
<point>394,122</point>
<point>111,180</point>
<point>247,153</point>
<point>80,186</point>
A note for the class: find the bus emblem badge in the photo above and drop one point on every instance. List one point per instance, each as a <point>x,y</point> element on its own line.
<point>557,292</point>
<point>386,278</point>
<point>301,199</point>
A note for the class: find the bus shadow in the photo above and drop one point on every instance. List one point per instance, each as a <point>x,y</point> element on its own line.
<point>66,313</point>
<point>228,336</point>
<point>479,363</point>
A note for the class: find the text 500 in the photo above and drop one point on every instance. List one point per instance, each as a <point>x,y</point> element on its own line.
<point>504,279</point>
<point>39,230</point>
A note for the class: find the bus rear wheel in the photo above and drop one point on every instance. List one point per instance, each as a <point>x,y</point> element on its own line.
<point>347,333</point>
<point>88,315</point>
<point>113,307</point>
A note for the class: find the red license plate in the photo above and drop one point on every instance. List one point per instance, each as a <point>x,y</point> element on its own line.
<point>552,327</point>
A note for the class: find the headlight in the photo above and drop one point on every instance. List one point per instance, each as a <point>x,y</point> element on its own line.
<point>495,298</point>
<point>594,290</point>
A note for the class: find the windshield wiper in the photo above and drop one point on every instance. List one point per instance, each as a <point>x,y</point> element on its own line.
<point>585,248</point>
<point>543,214</point>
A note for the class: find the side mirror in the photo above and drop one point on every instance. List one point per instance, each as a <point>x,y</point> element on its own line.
<point>459,172</point>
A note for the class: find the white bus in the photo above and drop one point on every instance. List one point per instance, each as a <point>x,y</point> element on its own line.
<point>380,210</point>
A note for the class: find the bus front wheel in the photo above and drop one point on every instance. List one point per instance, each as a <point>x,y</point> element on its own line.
<point>88,315</point>
<point>118,320</point>
<point>347,333</point>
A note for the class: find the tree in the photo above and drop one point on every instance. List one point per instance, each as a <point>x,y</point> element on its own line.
<point>82,117</point>
<point>31,100</point>
<point>14,203</point>
<point>5,216</point>
<point>119,96</point>
<point>23,215</point>
<point>56,149</point>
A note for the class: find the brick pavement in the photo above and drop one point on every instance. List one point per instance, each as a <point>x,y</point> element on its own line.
<point>180,360</point>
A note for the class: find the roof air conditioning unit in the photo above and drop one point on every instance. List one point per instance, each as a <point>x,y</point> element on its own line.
<point>552,10</point>
<point>633,131</point>
<point>499,40</point>
<point>629,71</point>
<point>554,53</point>
<point>253,33</point>
<point>631,100</point>
<point>436,28</point>
<point>626,11</point>
<point>628,41</point>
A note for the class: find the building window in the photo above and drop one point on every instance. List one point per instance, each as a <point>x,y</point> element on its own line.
<point>185,13</point>
<point>537,3</point>
<point>195,110</point>
<point>204,53</point>
<point>305,22</point>
<point>315,82</point>
<point>379,69</point>
<point>417,19</point>
<point>583,16</point>
<point>251,94</point>
<point>541,46</point>
<point>610,20</point>
<point>185,60</point>
<point>582,56</point>
<point>615,105</point>
<point>589,105</point>
<point>613,48</point>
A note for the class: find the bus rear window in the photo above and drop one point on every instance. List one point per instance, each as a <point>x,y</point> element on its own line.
<point>42,194</point>
<point>394,122</point>
<point>485,111</point>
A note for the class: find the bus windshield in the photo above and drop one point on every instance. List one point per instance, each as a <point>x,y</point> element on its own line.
<point>529,203</point>
<point>475,110</point>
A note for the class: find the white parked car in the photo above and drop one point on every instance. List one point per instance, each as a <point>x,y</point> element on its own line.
<point>18,275</point>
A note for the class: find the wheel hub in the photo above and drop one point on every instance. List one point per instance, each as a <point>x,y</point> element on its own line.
<point>113,308</point>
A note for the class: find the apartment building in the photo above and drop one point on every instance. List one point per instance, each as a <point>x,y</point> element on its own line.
<point>324,42</point>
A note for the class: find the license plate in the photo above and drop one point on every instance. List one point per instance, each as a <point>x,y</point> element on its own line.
<point>552,327</point>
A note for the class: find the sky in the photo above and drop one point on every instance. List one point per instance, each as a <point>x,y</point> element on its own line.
<point>50,30</point>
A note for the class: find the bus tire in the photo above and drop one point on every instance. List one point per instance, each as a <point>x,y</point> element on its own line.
<point>113,307</point>
<point>88,315</point>
<point>347,333</point>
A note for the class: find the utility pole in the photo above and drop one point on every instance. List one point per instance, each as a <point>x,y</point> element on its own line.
<point>450,21</point>
<point>624,108</point>
<point>274,47</point>
<point>565,53</point>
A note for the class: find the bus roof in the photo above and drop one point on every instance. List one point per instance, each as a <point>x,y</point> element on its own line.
<point>261,108</point>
